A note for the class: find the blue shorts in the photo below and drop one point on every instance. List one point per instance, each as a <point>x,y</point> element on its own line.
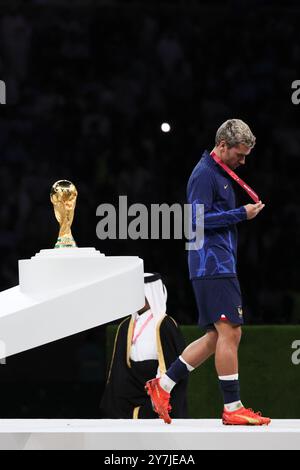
<point>218,299</point>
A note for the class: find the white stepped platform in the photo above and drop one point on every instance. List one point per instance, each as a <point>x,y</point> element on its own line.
<point>65,291</point>
<point>190,434</point>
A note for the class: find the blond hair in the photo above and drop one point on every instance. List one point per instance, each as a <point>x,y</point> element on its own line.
<point>235,132</point>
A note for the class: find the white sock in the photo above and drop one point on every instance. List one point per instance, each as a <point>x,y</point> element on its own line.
<point>229,377</point>
<point>189,368</point>
<point>235,405</point>
<point>166,383</point>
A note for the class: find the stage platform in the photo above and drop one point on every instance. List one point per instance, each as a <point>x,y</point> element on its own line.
<point>182,434</point>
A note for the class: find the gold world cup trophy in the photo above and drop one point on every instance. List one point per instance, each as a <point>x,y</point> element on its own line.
<point>63,197</point>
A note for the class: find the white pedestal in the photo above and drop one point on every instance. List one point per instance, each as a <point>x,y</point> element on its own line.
<point>148,434</point>
<point>65,291</point>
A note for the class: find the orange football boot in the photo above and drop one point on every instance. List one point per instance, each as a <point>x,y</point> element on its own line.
<point>244,416</point>
<point>160,399</point>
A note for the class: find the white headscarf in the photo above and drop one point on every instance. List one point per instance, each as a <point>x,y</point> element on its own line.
<point>156,294</point>
<point>145,347</point>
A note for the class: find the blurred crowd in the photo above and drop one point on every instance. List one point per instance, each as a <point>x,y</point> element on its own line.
<point>87,91</point>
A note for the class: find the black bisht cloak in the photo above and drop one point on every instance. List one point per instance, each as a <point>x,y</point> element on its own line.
<point>124,395</point>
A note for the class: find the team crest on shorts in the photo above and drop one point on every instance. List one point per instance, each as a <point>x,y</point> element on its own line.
<point>240,310</point>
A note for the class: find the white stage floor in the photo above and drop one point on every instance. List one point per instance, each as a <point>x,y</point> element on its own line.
<point>182,434</point>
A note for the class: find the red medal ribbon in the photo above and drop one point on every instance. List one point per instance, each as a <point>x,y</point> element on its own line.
<point>141,330</point>
<point>236,178</point>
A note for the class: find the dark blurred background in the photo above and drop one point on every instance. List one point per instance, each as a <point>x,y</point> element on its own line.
<point>89,84</point>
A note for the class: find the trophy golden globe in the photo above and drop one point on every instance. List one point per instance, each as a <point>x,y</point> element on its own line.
<point>63,197</point>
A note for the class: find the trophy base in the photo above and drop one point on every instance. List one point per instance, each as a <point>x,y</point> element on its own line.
<point>65,242</point>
